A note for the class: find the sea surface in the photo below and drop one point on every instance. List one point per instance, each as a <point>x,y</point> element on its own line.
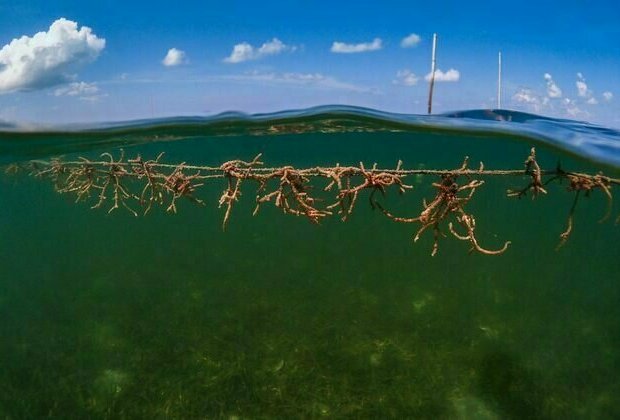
<point>108,315</point>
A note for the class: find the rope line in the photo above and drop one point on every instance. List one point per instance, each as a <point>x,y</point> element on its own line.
<point>147,183</point>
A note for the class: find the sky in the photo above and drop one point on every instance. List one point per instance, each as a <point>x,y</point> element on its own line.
<point>67,61</point>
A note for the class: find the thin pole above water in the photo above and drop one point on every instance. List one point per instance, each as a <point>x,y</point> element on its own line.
<point>432,81</point>
<point>499,80</point>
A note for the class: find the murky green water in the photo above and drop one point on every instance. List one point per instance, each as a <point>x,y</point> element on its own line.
<point>166,316</point>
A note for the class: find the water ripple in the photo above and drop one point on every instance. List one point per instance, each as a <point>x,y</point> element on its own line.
<point>595,143</point>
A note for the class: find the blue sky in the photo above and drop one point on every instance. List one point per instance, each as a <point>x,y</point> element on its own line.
<point>561,58</point>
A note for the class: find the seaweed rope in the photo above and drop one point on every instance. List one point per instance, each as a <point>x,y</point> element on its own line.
<point>153,182</point>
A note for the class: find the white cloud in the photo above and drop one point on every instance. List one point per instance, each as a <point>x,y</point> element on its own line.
<point>77,89</point>
<point>93,98</point>
<point>451,75</point>
<point>81,90</point>
<point>534,102</point>
<point>245,52</point>
<point>526,95</point>
<point>553,90</point>
<point>583,91</point>
<point>174,57</point>
<point>608,96</point>
<point>572,109</point>
<point>47,58</point>
<point>410,41</point>
<point>241,52</point>
<point>303,77</point>
<point>341,47</point>
<point>406,78</point>
<point>529,97</point>
<point>275,46</point>
<point>582,88</point>
<point>316,80</point>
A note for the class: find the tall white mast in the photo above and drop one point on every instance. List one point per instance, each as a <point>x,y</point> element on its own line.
<point>432,82</point>
<point>499,80</point>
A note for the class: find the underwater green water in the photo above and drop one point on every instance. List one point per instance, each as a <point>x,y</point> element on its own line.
<point>166,316</point>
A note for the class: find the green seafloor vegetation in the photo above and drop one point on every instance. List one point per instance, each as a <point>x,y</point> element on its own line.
<point>167,316</point>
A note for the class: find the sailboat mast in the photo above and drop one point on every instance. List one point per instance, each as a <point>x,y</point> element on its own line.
<point>499,80</point>
<point>432,81</point>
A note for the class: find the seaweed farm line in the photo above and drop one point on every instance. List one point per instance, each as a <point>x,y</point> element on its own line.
<point>143,183</point>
